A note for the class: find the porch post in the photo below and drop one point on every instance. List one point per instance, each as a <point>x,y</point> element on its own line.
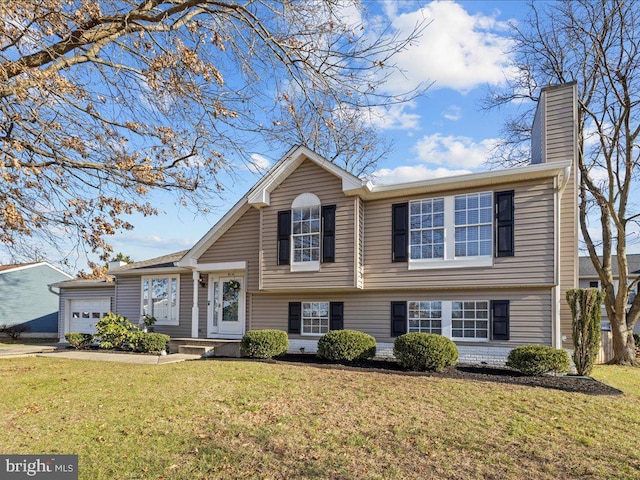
<point>195,312</point>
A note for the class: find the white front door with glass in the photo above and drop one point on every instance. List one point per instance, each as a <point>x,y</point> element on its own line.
<point>226,311</point>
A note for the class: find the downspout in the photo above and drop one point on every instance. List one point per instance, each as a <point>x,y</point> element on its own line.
<point>556,332</point>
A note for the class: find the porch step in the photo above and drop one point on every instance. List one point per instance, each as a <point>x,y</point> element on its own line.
<point>194,349</point>
<point>207,347</point>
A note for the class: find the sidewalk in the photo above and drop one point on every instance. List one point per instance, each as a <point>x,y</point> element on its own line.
<point>13,351</point>
<point>134,358</point>
<point>61,351</point>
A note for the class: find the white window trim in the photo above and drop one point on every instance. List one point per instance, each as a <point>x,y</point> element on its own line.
<point>467,339</point>
<point>160,322</point>
<point>304,266</point>
<point>426,301</point>
<point>450,260</point>
<point>305,200</point>
<point>447,320</point>
<point>302,333</point>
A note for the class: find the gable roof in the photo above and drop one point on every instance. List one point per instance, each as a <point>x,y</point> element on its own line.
<point>13,267</point>
<point>587,269</point>
<point>260,194</point>
<point>164,262</point>
<point>85,283</point>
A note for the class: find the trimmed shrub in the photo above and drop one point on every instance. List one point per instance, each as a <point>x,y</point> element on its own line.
<point>538,359</point>
<point>425,351</point>
<point>346,345</point>
<point>264,343</point>
<point>586,312</point>
<point>79,340</point>
<point>149,342</point>
<point>114,331</point>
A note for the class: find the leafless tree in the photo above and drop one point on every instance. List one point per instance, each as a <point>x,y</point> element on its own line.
<point>597,45</point>
<point>104,102</point>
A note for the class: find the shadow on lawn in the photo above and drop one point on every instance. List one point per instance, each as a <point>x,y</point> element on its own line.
<point>483,373</point>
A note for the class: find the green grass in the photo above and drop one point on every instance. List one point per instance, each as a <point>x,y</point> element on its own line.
<point>238,419</point>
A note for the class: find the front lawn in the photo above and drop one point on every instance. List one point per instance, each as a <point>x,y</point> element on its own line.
<point>240,419</point>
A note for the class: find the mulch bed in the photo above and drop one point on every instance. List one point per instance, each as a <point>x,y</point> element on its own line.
<point>483,373</point>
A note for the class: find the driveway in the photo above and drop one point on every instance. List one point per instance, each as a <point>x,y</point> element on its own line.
<point>13,351</point>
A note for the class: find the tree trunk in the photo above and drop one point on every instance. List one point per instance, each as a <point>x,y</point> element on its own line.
<point>623,345</point>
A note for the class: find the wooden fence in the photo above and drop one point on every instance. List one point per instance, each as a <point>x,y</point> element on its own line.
<point>606,347</point>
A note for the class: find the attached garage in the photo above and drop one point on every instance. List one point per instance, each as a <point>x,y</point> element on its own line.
<point>83,303</point>
<point>84,313</point>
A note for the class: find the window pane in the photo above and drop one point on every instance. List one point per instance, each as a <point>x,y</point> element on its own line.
<point>315,318</point>
<point>415,208</point>
<point>474,212</point>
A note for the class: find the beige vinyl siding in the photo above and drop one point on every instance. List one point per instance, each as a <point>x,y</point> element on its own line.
<point>310,178</point>
<point>66,294</point>
<point>128,303</point>
<point>560,123</point>
<point>370,312</point>
<point>240,243</point>
<point>532,264</point>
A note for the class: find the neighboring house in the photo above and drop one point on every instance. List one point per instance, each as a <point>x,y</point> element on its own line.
<point>26,300</point>
<point>482,258</point>
<point>589,279</point>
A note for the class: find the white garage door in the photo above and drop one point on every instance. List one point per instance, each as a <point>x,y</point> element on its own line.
<point>83,314</point>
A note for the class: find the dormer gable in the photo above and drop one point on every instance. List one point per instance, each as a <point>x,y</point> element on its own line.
<point>260,195</point>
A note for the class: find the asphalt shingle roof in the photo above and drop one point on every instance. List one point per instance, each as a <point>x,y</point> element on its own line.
<point>163,261</point>
<point>588,270</point>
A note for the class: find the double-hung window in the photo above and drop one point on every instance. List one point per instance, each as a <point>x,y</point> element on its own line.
<point>306,234</point>
<point>427,228</point>
<point>425,317</point>
<point>470,320</point>
<point>160,298</point>
<point>315,318</point>
<point>451,231</point>
<point>473,224</point>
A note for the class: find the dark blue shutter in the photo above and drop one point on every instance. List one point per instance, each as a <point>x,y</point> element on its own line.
<point>398,318</point>
<point>295,317</point>
<point>500,319</point>
<point>328,234</point>
<point>400,232</point>
<point>336,315</point>
<point>504,224</point>
<point>284,237</point>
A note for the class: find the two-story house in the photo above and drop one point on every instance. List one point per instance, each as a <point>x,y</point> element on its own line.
<point>483,258</point>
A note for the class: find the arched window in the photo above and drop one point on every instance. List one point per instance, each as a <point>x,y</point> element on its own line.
<point>305,230</point>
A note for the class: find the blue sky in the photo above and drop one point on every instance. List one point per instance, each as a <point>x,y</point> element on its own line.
<point>463,50</point>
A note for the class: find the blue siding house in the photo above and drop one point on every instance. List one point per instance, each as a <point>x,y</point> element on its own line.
<point>25,298</point>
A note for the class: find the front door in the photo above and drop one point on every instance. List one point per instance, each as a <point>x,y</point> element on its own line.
<point>225,316</point>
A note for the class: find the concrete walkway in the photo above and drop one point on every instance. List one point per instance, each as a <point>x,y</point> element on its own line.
<point>120,357</point>
<point>13,351</point>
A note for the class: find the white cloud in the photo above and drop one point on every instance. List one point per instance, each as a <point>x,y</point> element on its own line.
<point>259,164</point>
<point>453,113</point>
<point>394,117</point>
<point>453,151</point>
<point>456,50</point>
<point>387,176</point>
